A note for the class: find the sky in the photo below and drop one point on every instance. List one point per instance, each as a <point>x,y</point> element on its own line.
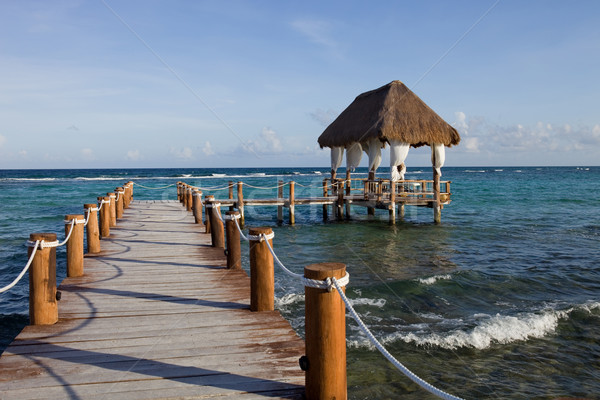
<point>200,84</point>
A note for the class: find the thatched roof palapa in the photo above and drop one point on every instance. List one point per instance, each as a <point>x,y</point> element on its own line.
<point>391,112</point>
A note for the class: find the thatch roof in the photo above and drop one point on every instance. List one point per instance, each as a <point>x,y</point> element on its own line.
<point>391,112</point>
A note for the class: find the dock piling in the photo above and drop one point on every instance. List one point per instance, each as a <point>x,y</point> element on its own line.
<point>92,233</point>
<point>197,206</point>
<point>234,251</point>
<point>262,274</point>
<point>217,232</point>
<point>112,209</point>
<point>240,203</point>
<point>325,321</point>
<point>119,201</point>
<point>292,199</point>
<point>74,244</point>
<point>104,204</point>
<point>207,213</point>
<point>279,198</point>
<point>43,307</point>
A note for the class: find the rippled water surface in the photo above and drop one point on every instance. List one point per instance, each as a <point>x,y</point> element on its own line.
<point>502,300</point>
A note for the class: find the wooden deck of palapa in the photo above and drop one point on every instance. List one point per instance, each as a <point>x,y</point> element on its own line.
<point>155,316</point>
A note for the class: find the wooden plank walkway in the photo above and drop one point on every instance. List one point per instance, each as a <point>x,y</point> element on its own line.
<point>156,316</point>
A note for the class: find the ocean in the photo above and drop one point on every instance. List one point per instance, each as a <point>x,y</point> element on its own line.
<point>501,300</point>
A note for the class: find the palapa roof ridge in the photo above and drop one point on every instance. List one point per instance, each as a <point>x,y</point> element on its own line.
<point>392,111</point>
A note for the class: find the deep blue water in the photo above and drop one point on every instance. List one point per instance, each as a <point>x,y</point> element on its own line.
<point>502,300</point>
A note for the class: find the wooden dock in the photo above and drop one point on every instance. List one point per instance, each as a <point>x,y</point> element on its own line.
<point>156,316</point>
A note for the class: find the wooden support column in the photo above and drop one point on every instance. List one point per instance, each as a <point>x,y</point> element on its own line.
<point>348,185</point>
<point>292,199</point>
<point>325,321</point>
<point>340,199</point>
<point>240,203</point>
<point>437,206</point>
<point>217,231</point>
<point>371,180</point>
<point>184,197</point>
<point>279,198</point>
<point>128,194</point>
<point>207,212</point>
<point>74,244</point>
<point>325,194</point>
<point>179,191</point>
<point>231,194</point>
<point>190,200</point>
<point>262,274</point>
<point>234,251</point>
<point>104,205</point>
<point>197,206</point>
<point>113,209</point>
<point>43,307</point>
<point>92,232</point>
<point>119,201</point>
<point>392,206</point>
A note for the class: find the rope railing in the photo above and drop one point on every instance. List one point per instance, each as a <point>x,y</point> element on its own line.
<point>266,188</point>
<point>89,211</point>
<point>332,283</point>
<point>154,188</point>
<point>18,278</point>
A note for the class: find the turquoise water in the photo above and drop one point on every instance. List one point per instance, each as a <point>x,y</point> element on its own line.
<point>502,300</point>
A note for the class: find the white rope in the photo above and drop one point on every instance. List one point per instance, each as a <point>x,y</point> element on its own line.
<point>266,188</point>
<point>18,278</point>
<point>260,237</point>
<point>102,202</point>
<point>68,236</point>
<point>153,188</point>
<point>427,386</point>
<point>326,284</point>
<point>89,211</point>
<point>213,188</point>
<point>240,230</point>
<point>232,217</point>
<point>43,244</point>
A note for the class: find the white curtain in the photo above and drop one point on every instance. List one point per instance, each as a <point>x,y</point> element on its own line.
<point>373,150</point>
<point>337,153</point>
<point>438,157</point>
<point>353,156</point>
<point>398,153</point>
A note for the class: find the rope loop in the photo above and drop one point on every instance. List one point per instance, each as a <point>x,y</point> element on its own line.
<point>18,278</point>
<point>232,217</point>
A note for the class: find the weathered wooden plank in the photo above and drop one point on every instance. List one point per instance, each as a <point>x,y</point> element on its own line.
<point>155,316</point>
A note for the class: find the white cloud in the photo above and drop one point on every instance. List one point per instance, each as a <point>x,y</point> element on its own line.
<point>22,153</point>
<point>182,154</point>
<point>87,154</point>
<point>133,155</point>
<point>317,31</point>
<point>207,149</point>
<point>73,128</point>
<point>479,135</point>
<point>267,142</point>
<point>2,140</point>
<point>324,117</point>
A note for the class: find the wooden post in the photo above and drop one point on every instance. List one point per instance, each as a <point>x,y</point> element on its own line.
<point>371,210</point>
<point>392,206</point>
<point>104,203</point>
<point>231,194</point>
<point>43,307</point>
<point>348,185</point>
<point>240,203</point>
<point>190,200</point>
<point>279,198</point>
<point>325,321</point>
<point>217,232</point>
<point>340,200</point>
<point>128,194</point>
<point>112,209</point>
<point>234,251</point>
<point>92,233</point>
<point>262,274</point>
<point>197,201</point>
<point>119,201</point>
<point>437,206</point>
<point>207,212</point>
<point>179,191</point>
<point>325,194</point>
<point>184,195</point>
<point>74,244</point>
<point>292,199</point>
<point>401,204</point>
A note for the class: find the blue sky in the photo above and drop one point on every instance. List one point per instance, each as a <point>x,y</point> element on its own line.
<point>87,84</point>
